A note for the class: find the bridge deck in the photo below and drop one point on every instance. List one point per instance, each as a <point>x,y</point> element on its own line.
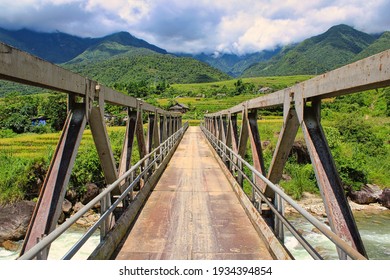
<point>193,213</point>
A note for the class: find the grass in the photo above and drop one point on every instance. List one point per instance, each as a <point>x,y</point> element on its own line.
<point>18,150</point>
<point>275,83</point>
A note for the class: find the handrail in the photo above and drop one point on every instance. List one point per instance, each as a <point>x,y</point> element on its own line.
<point>21,67</point>
<point>340,243</point>
<point>369,73</point>
<point>160,151</point>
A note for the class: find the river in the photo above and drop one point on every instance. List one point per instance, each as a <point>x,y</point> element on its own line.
<point>374,229</point>
<point>62,245</point>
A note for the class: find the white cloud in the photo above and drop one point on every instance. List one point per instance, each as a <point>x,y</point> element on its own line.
<point>202,25</point>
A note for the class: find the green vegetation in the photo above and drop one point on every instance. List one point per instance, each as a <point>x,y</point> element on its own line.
<point>25,159</point>
<point>151,68</point>
<point>23,113</point>
<point>357,127</point>
<point>336,47</point>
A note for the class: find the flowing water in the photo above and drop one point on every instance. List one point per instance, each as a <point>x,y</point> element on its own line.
<point>62,245</point>
<point>374,229</point>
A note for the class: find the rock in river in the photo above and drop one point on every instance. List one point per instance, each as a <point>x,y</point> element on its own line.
<point>14,220</point>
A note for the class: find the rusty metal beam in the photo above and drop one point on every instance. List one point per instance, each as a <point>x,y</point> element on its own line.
<point>163,128</point>
<point>149,140</point>
<point>257,152</point>
<point>340,216</point>
<point>139,132</point>
<point>49,205</point>
<point>125,161</point>
<point>369,73</point>
<point>244,134</point>
<point>102,143</point>
<point>234,132</point>
<point>21,67</point>
<point>221,129</point>
<point>282,151</point>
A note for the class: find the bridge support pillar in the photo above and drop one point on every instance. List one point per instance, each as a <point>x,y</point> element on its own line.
<point>49,205</point>
<point>340,216</point>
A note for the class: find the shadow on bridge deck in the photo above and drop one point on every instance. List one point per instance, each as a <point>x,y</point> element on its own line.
<point>193,213</point>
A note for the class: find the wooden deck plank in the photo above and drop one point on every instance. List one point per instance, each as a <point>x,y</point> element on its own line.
<point>193,213</point>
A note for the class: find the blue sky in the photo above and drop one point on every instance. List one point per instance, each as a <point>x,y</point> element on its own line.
<point>212,26</point>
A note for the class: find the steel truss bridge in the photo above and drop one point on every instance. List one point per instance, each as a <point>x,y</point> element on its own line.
<point>184,199</point>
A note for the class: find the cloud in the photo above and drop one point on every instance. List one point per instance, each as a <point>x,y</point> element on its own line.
<point>199,26</point>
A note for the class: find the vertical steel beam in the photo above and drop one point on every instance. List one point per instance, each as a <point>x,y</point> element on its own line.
<point>243,140</point>
<point>163,128</point>
<point>228,141</point>
<point>234,132</point>
<point>103,147</point>
<point>156,131</point>
<point>150,138</point>
<point>244,134</point>
<point>224,128</point>
<point>257,151</point>
<point>169,125</point>
<point>216,127</point>
<point>340,216</point>
<point>283,148</point>
<point>125,161</point>
<point>221,129</point>
<point>49,205</point>
<point>139,132</point>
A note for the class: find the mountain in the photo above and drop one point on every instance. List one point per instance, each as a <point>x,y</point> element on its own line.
<point>380,45</point>
<point>234,65</point>
<point>111,63</point>
<point>116,58</point>
<point>60,47</point>
<point>336,47</point>
<point>55,47</point>
<point>123,57</point>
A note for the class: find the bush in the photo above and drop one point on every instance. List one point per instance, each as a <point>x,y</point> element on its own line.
<point>11,171</point>
<point>352,128</point>
<point>86,169</point>
<point>302,180</point>
<point>7,133</point>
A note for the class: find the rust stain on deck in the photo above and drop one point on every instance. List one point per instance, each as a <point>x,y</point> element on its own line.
<point>193,213</point>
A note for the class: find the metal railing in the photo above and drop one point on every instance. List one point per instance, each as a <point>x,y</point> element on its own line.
<point>301,106</point>
<point>86,105</point>
<point>142,170</point>
<point>236,163</point>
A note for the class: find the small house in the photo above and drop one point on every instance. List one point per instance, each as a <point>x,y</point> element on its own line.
<point>180,108</point>
<point>39,121</point>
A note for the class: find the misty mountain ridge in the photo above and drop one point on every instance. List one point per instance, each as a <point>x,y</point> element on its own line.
<point>60,47</point>
<point>339,45</point>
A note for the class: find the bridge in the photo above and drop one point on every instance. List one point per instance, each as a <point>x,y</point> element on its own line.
<point>185,198</point>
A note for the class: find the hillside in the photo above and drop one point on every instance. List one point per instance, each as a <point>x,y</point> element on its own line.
<point>235,65</point>
<point>380,45</point>
<point>336,47</point>
<point>111,63</point>
<point>59,47</point>
<point>55,47</point>
<point>117,58</point>
<point>123,58</point>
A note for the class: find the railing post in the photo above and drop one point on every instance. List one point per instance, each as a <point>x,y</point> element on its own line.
<point>279,230</point>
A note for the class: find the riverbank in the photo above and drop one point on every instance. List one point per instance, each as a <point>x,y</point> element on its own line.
<point>314,205</point>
